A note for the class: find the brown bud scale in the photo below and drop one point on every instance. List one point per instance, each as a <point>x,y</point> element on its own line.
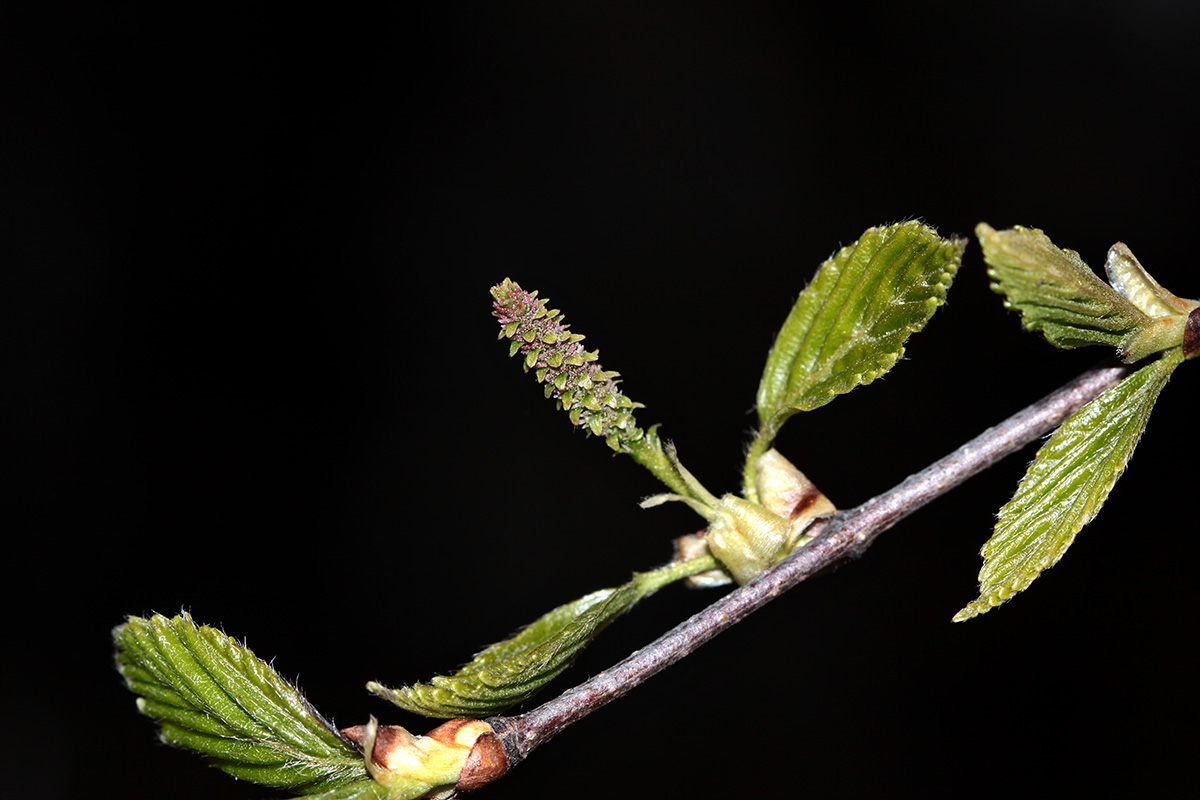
<point>807,499</point>
<point>485,763</point>
<point>1191,334</point>
<point>389,739</point>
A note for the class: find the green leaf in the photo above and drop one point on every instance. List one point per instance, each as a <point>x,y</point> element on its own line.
<point>1060,296</point>
<point>849,325</point>
<point>512,671</point>
<point>1067,484</point>
<point>359,790</point>
<point>1056,292</point>
<point>213,695</point>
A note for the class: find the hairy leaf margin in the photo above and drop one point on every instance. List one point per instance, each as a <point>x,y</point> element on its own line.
<point>212,695</point>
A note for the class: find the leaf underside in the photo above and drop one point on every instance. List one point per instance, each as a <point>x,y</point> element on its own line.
<point>1066,485</point>
<point>849,325</point>
<point>1055,291</point>
<point>214,696</point>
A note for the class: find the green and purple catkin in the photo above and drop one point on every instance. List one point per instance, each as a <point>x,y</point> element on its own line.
<point>573,377</point>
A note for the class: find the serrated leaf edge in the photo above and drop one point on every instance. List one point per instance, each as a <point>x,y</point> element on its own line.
<point>205,690</point>
<point>1076,432</point>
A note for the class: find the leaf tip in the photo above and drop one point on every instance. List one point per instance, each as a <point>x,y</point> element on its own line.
<point>977,608</point>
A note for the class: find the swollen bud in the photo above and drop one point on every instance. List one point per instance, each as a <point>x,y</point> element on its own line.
<point>460,755</point>
<point>747,537</point>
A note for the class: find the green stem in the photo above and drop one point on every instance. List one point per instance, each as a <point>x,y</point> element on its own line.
<point>664,463</point>
<point>647,451</point>
<point>760,445</point>
<point>650,582</point>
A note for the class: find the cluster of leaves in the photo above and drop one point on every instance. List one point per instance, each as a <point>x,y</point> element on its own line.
<point>1059,295</point>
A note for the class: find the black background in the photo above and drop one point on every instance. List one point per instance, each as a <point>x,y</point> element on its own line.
<point>250,371</point>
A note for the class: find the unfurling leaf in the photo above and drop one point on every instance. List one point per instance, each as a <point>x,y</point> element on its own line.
<point>1060,296</point>
<point>848,327</point>
<point>1055,291</point>
<point>509,672</point>
<point>1067,484</point>
<point>212,695</point>
<point>1168,314</point>
<point>1130,279</point>
<point>512,671</point>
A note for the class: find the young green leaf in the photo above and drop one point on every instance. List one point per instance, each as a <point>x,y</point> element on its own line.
<point>848,327</point>
<point>359,790</point>
<point>1056,292</point>
<point>212,695</point>
<point>512,671</point>
<point>1067,484</point>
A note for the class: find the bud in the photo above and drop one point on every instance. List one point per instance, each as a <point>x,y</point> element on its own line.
<point>747,537</point>
<point>459,755</point>
<point>1170,319</point>
<point>695,545</point>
